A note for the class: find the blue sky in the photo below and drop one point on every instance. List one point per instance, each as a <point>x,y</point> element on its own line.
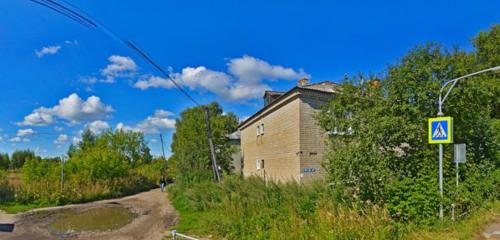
<point>57,77</point>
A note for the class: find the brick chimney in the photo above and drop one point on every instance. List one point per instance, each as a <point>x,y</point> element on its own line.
<point>302,82</point>
<point>375,83</point>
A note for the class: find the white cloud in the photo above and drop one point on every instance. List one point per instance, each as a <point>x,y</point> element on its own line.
<point>245,78</point>
<point>120,66</point>
<point>18,140</point>
<point>39,117</point>
<point>62,138</point>
<point>71,42</point>
<point>25,132</point>
<point>88,80</point>
<point>58,128</point>
<point>98,126</point>
<point>50,50</point>
<point>162,113</point>
<point>152,124</point>
<point>76,140</point>
<point>153,82</point>
<point>39,150</point>
<point>72,108</point>
<point>251,69</point>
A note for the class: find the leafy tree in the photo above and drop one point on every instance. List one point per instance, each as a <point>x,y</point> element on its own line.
<point>19,157</point>
<point>190,144</point>
<point>4,161</point>
<point>380,151</point>
<point>130,144</point>
<point>107,156</point>
<point>88,139</point>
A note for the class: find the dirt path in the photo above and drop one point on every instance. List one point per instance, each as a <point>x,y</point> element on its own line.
<point>492,231</point>
<point>154,215</point>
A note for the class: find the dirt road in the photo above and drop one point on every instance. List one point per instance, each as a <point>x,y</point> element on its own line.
<point>154,214</point>
<point>492,231</point>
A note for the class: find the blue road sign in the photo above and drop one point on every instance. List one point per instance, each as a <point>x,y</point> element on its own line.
<point>440,130</point>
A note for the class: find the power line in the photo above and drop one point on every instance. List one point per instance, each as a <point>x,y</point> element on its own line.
<point>71,14</point>
<point>160,69</point>
<point>83,18</point>
<point>86,22</point>
<point>90,22</point>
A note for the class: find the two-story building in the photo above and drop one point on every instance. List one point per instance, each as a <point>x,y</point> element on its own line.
<point>282,141</point>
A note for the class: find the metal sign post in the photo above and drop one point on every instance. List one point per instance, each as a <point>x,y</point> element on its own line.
<point>458,157</point>
<point>448,86</point>
<point>440,131</point>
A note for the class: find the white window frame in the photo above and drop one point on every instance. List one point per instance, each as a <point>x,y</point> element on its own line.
<point>260,129</point>
<point>260,164</point>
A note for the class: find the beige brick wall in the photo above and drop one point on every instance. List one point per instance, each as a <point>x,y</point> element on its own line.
<point>312,138</point>
<point>292,140</point>
<point>279,145</point>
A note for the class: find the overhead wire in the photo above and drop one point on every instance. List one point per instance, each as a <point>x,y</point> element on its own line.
<point>55,8</point>
<point>83,18</point>
<point>86,20</point>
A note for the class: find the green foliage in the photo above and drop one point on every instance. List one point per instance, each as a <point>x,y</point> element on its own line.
<point>191,152</point>
<point>251,209</point>
<point>111,164</point>
<point>6,191</point>
<point>4,161</point>
<point>107,156</point>
<point>154,170</point>
<point>469,228</point>
<point>19,157</point>
<point>414,199</point>
<point>379,150</point>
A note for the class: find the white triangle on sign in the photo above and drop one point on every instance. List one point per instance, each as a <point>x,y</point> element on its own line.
<point>439,132</point>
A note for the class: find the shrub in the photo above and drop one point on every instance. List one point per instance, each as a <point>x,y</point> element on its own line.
<point>253,209</point>
<point>6,191</point>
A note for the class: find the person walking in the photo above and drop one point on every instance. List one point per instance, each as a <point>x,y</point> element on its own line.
<point>162,183</point>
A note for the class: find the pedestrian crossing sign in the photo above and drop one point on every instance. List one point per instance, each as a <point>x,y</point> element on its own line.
<point>440,130</point>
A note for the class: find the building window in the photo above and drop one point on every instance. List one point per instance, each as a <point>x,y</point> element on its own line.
<point>260,129</point>
<point>260,164</point>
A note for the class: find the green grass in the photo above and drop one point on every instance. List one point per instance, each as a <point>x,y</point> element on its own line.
<point>252,209</point>
<point>17,207</point>
<point>468,228</point>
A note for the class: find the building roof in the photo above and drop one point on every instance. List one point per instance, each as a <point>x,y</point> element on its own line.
<point>273,93</point>
<point>321,87</point>
<point>326,86</point>
<point>235,135</point>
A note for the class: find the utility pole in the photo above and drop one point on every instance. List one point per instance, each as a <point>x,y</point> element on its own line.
<point>211,144</point>
<point>162,147</point>
<point>441,100</point>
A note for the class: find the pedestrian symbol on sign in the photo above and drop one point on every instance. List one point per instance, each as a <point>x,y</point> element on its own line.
<point>440,130</point>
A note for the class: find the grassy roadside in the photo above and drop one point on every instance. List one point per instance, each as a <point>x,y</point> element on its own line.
<point>468,228</point>
<point>251,210</point>
<point>13,208</point>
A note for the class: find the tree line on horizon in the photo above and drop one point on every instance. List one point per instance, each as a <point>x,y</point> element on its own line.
<point>110,164</point>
